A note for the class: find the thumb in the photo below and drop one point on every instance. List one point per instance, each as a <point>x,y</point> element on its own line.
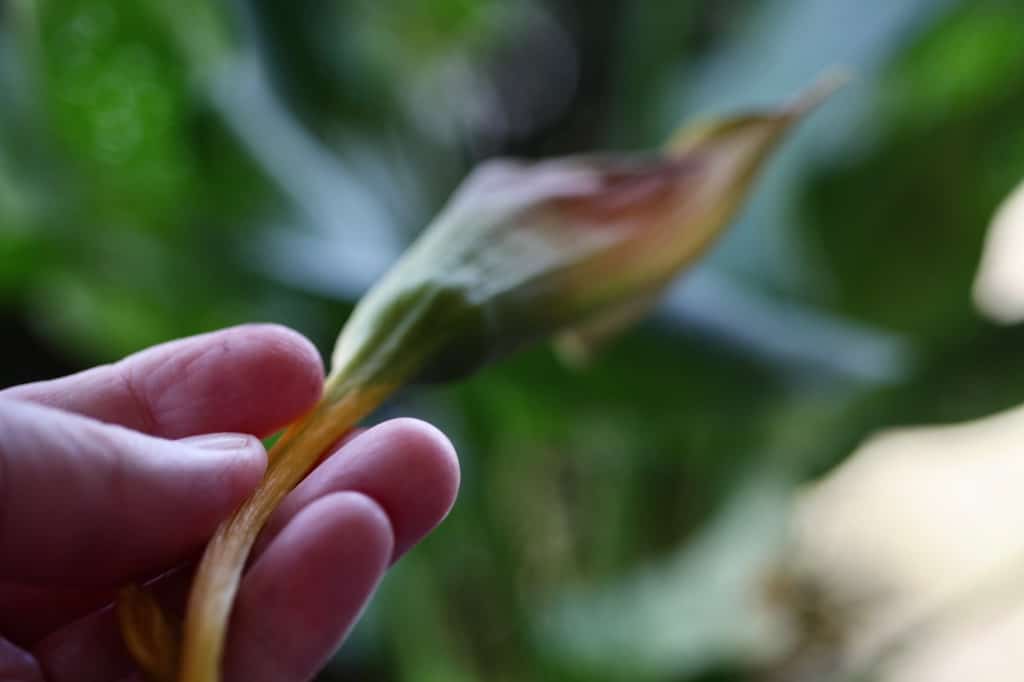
<point>18,665</point>
<point>91,503</point>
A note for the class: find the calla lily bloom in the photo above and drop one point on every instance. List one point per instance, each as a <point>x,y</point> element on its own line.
<point>576,246</point>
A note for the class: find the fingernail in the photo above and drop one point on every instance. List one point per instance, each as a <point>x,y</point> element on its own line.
<point>218,441</point>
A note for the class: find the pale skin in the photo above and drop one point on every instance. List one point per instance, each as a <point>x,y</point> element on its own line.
<point>121,473</point>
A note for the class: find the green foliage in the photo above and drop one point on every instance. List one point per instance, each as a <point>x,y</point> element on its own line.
<point>118,105</point>
<point>902,227</point>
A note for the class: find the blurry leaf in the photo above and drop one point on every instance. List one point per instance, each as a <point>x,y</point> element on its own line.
<point>118,101</point>
<point>98,321</point>
<point>902,263</point>
<point>200,29</point>
<point>427,649</point>
<point>901,227</point>
<point>967,65</point>
<point>506,68</point>
<point>652,45</point>
<point>690,612</point>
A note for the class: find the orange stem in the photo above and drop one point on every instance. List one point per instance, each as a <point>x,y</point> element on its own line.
<point>292,457</point>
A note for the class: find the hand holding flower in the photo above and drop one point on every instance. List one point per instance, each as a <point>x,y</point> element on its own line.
<point>124,471</point>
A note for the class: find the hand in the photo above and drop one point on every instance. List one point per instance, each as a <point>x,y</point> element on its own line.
<point>121,473</point>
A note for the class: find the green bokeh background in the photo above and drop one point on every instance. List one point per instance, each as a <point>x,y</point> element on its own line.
<point>172,168</point>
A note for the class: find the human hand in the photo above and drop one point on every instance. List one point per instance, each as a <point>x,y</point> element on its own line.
<point>121,473</point>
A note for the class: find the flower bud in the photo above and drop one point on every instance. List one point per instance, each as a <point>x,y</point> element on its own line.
<point>578,246</point>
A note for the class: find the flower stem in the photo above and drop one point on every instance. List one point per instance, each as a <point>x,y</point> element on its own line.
<point>344,403</point>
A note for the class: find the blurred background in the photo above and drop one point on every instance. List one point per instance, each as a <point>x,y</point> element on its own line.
<point>173,168</point>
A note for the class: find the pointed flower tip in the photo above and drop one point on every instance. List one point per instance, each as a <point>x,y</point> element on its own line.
<point>762,126</point>
<point>824,87</point>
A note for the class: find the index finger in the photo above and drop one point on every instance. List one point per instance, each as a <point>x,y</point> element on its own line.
<point>246,379</point>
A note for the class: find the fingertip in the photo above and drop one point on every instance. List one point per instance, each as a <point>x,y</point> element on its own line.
<point>428,450</point>
<point>308,588</point>
<point>339,531</point>
<point>425,491</point>
<point>241,458</point>
<point>290,348</point>
<point>188,488</point>
<point>254,378</point>
<point>289,365</point>
<point>438,458</point>
<point>406,465</point>
<point>356,519</point>
<point>18,664</point>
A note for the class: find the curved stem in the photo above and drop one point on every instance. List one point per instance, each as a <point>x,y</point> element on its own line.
<point>345,402</point>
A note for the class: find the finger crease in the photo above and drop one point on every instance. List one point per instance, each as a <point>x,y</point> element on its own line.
<point>143,408</point>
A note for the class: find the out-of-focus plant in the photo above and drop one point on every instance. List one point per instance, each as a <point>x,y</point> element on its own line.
<point>576,246</point>
<point>999,286</point>
<point>911,551</point>
<point>907,558</point>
